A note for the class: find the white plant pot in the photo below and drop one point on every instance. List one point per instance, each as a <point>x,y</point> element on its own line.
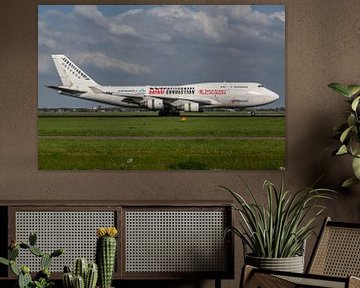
<point>291,264</point>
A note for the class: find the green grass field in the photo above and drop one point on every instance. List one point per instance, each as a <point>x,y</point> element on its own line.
<point>62,153</point>
<point>162,126</point>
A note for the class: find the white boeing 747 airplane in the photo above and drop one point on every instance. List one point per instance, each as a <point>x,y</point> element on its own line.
<point>167,99</point>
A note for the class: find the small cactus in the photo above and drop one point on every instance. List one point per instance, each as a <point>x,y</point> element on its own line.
<point>88,273</point>
<point>80,268</point>
<point>13,253</point>
<point>57,252</point>
<point>106,254</point>
<point>14,268</point>
<point>24,246</point>
<point>23,273</point>
<point>32,239</point>
<point>45,261</point>
<point>68,280</point>
<point>91,276</point>
<point>25,269</point>
<point>67,269</point>
<point>79,282</point>
<point>24,277</point>
<point>36,251</point>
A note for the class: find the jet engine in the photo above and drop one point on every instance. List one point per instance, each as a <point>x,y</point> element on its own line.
<point>152,104</point>
<point>190,107</point>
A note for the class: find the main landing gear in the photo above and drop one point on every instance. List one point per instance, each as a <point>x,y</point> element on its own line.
<point>169,111</point>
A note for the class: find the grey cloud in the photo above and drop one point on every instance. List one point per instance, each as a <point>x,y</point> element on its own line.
<point>170,12</point>
<point>109,24</point>
<point>131,12</point>
<point>43,64</point>
<point>278,15</point>
<point>102,61</point>
<point>88,11</point>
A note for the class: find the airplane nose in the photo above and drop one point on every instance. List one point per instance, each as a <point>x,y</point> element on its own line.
<point>276,96</point>
<point>272,96</point>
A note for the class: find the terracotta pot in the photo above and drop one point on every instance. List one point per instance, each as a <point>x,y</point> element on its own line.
<point>291,264</point>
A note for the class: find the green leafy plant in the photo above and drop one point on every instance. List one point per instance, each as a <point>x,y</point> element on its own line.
<point>279,229</point>
<point>42,283</point>
<point>42,278</point>
<point>348,132</point>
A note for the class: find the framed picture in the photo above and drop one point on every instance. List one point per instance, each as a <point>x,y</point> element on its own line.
<point>161,87</point>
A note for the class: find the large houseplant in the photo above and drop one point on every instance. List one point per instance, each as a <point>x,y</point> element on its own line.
<point>349,131</point>
<point>279,229</point>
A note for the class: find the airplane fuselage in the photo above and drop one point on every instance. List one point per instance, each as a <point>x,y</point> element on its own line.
<point>211,95</point>
<point>167,99</point>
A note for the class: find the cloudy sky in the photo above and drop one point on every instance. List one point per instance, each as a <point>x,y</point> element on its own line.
<point>162,45</point>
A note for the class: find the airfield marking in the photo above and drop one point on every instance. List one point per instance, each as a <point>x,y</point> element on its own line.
<point>161,137</point>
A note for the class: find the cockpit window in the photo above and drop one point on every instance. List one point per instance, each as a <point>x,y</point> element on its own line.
<point>260,85</point>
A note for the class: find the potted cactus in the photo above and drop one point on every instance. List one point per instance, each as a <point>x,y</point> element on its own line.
<point>42,278</point>
<point>84,275</point>
<point>106,254</point>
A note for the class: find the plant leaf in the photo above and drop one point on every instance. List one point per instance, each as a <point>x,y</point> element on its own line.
<point>345,134</point>
<point>353,89</point>
<point>356,167</point>
<point>349,182</point>
<point>354,145</point>
<point>340,88</point>
<point>342,150</point>
<point>4,261</point>
<point>351,119</point>
<point>355,103</point>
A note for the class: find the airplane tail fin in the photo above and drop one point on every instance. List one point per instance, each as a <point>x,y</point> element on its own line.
<point>71,75</point>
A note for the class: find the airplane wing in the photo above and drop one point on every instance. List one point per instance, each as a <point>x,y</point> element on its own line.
<point>68,91</point>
